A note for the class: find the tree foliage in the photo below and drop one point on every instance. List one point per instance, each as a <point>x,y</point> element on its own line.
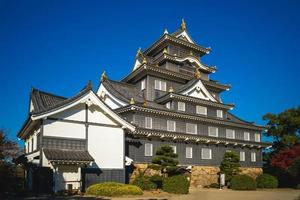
<point>284,128</point>
<point>166,159</point>
<point>8,148</point>
<point>230,165</point>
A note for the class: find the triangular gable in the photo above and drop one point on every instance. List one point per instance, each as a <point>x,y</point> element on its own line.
<point>90,99</point>
<point>137,64</point>
<point>198,90</point>
<point>110,100</point>
<point>185,35</point>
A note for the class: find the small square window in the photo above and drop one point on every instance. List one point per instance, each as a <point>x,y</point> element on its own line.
<point>220,113</point>
<point>201,110</point>
<point>246,136</point>
<point>174,148</point>
<point>181,106</point>
<point>148,149</point>
<point>242,156</point>
<point>189,152</point>
<point>253,157</point>
<point>257,137</point>
<point>191,128</point>
<point>143,84</point>
<point>148,122</point>
<point>171,125</point>
<point>206,153</point>
<point>213,131</point>
<point>230,133</point>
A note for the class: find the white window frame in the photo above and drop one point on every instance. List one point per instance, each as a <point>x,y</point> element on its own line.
<point>182,107</point>
<point>209,132</point>
<point>188,152</point>
<point>198,110</point>
<point>220,113</point>
<point>231,131</point>
<point>253,157</point>
<point>148,118</point>
<point>168,105</point>
<point>190,124</point>
<point>169,125</point>
<point>160,85</point>
<point>242,156</point>
<point>149,145</point>
<point>202,154</point>
<point>257,137</point>
<point>174,148</point>
<point>248,136</point>
<point>143,84</point>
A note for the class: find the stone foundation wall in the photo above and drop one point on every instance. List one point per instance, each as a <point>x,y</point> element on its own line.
<point>204,175</point>
<point>251,171</point>
<point>138,168</point>
<point>200,176</point>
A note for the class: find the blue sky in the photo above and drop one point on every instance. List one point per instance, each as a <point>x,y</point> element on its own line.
<point>57,46</point>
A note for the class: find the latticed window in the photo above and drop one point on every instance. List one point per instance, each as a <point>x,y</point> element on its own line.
<point>213,131</point>
<point>191,128</point>
<point>201,110</point>
<point>242,156</point>
<point>257,137</point>
<point>206,153</point>
<point>171,125</point>
<point>148,122</point>
<point>148,149</point>
<point>246,136</point>
<point>220,113</point>
<point>230,133</point>
<point>174,148</point>
<point>253,157</point>
<point>189,152</point>
<point>181,106</point>
<point>160,85</point>
<point>143,84</point>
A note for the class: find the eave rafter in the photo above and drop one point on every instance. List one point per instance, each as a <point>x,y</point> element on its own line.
<point>159,134</point>
<point>188,117</point>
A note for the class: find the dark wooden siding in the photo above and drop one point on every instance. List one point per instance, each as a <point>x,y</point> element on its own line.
<point>135,150</point>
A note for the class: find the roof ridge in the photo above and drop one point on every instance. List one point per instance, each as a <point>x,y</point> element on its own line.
<point>47,93</point>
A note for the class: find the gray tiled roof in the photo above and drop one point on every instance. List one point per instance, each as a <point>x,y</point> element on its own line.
<point>67,155</point>
<point>124,91</point>
<point>44,101</point>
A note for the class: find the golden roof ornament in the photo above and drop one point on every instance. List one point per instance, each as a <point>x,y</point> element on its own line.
<point>132,101</point>
<point>144,61</point>
<point>197,74</point>
<point>165,50</point>
<point>191,53</point>
<point>183,24</point>
<point>103,76</point>
<point>171,89</point>
<point>166,31</point>
<point>139,51</point>
<point>145,104</point>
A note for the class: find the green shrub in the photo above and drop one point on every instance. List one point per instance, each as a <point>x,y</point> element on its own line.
<point>242,182</point>
<point>157,180</point>
<point>144,183</point>
<point>154,167</point>
<point>176,184</point>
<point>266,181</point>
<point>298,187</point>
<point>113,189</point>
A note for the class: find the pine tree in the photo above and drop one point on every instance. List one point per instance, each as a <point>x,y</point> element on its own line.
<point>230,165</point>
<point>166,159</point>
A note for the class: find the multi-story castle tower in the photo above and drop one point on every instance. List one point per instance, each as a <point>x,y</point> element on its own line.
<point>168,98</point>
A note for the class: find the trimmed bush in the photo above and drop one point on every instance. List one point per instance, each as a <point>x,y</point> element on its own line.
<point>111,189</point>
<point>157,180</point>
<point>176,184</point>
<point>266,181</point>
<point>144,183</point>
<point>242,182</point>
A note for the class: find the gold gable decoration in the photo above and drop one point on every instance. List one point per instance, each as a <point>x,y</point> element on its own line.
<point>132,102</point>
<point>103,76</point>
<point>197,74</point>
<point>183,25</point>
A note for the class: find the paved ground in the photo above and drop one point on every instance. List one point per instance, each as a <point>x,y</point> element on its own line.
<point>198,194</point>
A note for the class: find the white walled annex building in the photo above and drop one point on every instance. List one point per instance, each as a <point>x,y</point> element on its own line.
<point>67,136</point>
